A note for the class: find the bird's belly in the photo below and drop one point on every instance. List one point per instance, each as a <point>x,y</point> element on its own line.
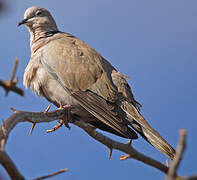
<point>57,95</point>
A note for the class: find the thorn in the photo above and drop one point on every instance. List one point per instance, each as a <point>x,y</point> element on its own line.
<point>6,92</point>
<point>33,123</point>
<point>129,142</point>
<point>124,157</point>
<point>32,128</point>
<point>12,109</point>
<point>47,109</point>
<point>110,152</point>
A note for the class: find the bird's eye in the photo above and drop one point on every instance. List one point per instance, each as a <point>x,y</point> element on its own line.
<point>38,13</point>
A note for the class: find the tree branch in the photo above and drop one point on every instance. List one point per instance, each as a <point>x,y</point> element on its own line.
<point>179,153</point>
<point>10,123</point>
<point>53,174</point>
<point>9,166</point>
<point>39,117</point>
<point>10,85</point>
<point>126,148</point>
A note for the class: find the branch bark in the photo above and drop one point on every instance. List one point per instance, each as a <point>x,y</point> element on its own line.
<point>10,123</point>
<point>40,117</point>
<point>179,153</point>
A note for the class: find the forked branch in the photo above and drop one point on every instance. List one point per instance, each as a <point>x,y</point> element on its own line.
<point>40,117</point>
<point>10,85</point>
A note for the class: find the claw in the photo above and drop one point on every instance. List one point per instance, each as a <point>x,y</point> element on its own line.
<point>62,121</point>
<point>57,126</point>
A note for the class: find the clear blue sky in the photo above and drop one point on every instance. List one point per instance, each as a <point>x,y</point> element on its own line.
<point>154,42</point>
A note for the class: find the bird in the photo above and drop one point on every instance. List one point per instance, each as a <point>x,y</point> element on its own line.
<point>67,71</point>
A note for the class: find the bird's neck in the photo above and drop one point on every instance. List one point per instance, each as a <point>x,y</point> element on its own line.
<point>41,33</point>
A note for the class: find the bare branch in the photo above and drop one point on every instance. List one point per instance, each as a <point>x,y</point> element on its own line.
<point>190,178</point>
<point>10,85</point>
<point>10,123</point>
<point>14,70</point>
<point>9,166</point>
<point>120,146</point>
<point>33,117</point>
<point>38,117</point>
<point>179,153</point>
<point>53,174</point>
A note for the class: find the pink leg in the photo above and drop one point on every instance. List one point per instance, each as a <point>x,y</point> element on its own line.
<point>66,118</point>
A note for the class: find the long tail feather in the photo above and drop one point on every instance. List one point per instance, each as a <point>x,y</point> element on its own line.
<point>146,131</point>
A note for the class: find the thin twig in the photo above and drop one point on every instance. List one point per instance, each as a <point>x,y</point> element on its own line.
<point>179,153</point>
<point>10,85</point>
<point>52,174</point>
<point>14,70</point>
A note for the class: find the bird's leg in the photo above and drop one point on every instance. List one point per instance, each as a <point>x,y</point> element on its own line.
<point>64,120</point>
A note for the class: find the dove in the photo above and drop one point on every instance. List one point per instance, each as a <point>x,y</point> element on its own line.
<point>67,71</point>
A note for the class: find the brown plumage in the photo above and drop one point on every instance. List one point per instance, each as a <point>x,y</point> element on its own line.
<point>65,70</point>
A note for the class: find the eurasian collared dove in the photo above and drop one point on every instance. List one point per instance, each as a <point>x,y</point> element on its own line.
<point>67,71</point>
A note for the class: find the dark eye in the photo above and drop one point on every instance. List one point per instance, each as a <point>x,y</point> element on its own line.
<point>38,13</point>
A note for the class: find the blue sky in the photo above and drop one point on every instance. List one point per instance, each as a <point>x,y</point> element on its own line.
<point>154,42</point>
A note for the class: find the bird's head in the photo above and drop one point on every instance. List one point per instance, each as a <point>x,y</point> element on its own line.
<point>37,17</point>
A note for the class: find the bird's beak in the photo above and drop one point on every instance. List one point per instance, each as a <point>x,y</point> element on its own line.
<point>24,21</point>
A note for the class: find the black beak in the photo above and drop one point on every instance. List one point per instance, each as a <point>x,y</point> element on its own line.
<point>22,22</point>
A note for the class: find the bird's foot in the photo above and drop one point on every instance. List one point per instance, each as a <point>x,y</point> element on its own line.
<point>57,126</point>
<point>64,120</point>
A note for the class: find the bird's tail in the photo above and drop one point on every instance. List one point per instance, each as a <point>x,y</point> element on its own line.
<point>147,132</point>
